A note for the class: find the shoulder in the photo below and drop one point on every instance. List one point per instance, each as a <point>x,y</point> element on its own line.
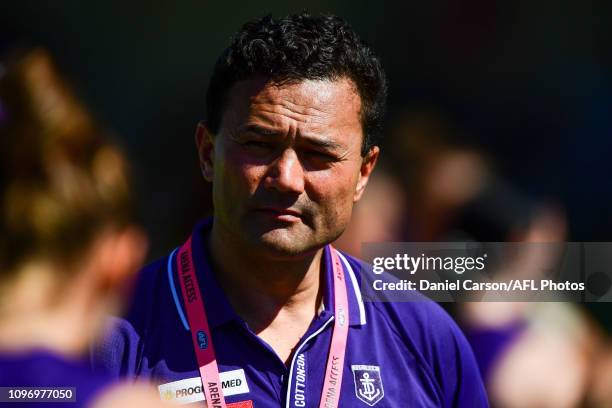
<point>44,368</point>
<point>428,332</point>
<point>150,284</point>
<point>119,351</point>
<point>411,313</point>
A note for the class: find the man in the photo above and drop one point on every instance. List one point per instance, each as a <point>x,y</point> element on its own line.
<point>256,298</point>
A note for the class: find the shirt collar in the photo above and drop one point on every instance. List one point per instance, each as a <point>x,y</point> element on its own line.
<point>218,308</point>
<point>356,308</point>
<point>220,311</point>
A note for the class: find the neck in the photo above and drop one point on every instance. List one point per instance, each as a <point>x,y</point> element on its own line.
<point>36,312</point>
<point>260,289</point>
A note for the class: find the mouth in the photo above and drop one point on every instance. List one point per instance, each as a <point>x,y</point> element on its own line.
<point>281,214</point>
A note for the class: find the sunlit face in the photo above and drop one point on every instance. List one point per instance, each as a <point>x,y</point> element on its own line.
<point>286,164</point>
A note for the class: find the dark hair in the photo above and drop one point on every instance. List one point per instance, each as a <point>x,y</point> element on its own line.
<point>301,47</point>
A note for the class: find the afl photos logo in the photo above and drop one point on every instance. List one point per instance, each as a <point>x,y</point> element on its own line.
<point>368,383</point>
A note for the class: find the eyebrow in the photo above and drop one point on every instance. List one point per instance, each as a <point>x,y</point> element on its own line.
<point>322,143</point>
<point>260,130</point>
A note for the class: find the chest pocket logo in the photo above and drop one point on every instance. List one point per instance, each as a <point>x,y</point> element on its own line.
<point>368,384</point>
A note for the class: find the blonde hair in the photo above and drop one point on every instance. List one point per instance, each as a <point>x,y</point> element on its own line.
<point>61,180</point>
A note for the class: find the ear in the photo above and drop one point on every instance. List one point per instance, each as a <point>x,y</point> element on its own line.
<point>206,151</point>
<point>367,166</point>
<point>118,256</point>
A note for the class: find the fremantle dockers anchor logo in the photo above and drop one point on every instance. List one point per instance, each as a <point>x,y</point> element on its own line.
<point>368,384</point>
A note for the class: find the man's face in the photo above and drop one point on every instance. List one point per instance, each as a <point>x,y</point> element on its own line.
<point>286,164</point>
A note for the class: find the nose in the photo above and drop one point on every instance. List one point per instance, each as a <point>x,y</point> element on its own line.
<point>286,173</point>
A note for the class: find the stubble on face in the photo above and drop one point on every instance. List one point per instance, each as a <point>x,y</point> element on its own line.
<point>286,164</point>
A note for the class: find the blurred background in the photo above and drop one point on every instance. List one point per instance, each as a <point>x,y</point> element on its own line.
<point>528,84</point>
<point>498,129</point>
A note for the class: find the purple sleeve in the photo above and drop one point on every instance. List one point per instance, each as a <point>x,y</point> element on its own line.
<point>117,353</point>
<point>443,352</point>
<point>120,351</point>
<point>460,373</point>
<point>490,343</point>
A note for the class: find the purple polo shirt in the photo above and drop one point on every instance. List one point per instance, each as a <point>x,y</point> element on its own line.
<point>398,354</point>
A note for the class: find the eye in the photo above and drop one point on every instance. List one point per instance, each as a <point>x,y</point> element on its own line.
<point>258,145</point>
<point>315,154</point>
<point>318,160</point>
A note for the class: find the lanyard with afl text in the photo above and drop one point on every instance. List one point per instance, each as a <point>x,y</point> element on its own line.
<point>202,339</point>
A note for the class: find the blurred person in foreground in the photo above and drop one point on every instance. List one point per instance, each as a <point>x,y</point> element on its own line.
<point>256,306</point>
<point>531,354</point>
<point>379,216</point>
<point>67,247</point>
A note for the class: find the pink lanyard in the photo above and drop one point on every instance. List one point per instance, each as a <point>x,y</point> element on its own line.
<point>200,331</point>
<point>335,360</point>
<point>202,339</point>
